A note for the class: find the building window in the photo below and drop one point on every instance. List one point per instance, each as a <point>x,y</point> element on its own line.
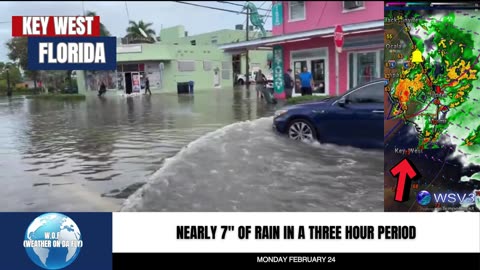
<point>225,74</point>
<point>207,65</point>
<point>364,67</point>
<point>353,5</point>
<point>186,66</point>
<point>296,10</point>
<point>226,65</point>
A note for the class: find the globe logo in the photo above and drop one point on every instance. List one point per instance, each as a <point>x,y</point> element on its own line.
<point>424,197</point>
<point>53,241</point>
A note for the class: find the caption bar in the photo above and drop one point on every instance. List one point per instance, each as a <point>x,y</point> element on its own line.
<point>297,232</point>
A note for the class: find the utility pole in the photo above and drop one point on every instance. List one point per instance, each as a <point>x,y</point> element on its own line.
<point>247,76</point>
<point>9,90</point>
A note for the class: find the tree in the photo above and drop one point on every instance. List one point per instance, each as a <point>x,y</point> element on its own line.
<point>103,30</point>
<point>133,31</point>
<point>18,52</point>
<point>14,73</point>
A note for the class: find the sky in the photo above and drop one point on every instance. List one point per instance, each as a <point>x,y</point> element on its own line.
<point>113,14</point>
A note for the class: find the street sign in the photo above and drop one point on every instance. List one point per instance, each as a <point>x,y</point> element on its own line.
<point>338,38</point>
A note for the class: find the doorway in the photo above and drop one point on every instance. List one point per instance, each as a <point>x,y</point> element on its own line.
<point>318,75</point>
<point>316,62</point>
<point>216,78</point>
<point>297,69</point>
<point>136,82</point>
<point>128,83</point>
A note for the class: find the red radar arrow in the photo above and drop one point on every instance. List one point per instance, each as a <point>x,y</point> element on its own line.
<point>406,172</point>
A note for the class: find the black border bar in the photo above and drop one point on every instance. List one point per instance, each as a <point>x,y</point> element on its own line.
<point>329,260</point>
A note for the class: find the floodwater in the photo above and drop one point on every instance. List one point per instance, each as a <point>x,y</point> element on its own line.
<point>215,151</point>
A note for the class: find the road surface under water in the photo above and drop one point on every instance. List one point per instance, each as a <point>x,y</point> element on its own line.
<point>93,155</point>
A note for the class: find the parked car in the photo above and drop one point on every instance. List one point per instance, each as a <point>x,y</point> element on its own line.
<point>355,118</point>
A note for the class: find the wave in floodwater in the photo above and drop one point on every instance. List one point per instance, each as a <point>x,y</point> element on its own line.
<point>247,167</point>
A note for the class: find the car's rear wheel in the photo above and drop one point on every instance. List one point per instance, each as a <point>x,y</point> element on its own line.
<point>301,130</point>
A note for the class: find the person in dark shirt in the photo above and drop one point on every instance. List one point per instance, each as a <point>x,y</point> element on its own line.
<point>147,86</point>
<point>306,81</point>
<point>102,90</point>
<point>288,82</point>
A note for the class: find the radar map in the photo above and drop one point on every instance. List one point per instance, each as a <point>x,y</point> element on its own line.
<point>432,109</point>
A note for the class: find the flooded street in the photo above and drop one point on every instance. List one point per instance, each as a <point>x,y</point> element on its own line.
<point>94,155</point>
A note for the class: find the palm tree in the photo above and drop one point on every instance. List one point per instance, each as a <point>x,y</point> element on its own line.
<point>133,30</point>
<point>103,30</point>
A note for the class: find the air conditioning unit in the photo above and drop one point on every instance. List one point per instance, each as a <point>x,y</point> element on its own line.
<point>352,4</point>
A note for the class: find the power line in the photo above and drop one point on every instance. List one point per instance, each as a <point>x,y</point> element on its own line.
<point>215,8</point>
<point>240,5</point>
<point>321,15</point>
<point>126,8</point>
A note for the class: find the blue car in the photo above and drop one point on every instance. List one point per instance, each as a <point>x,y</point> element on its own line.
<point>355,118</point>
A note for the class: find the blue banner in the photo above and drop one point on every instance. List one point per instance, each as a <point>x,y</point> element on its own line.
<point>73,53</point>
<point>78,241</point>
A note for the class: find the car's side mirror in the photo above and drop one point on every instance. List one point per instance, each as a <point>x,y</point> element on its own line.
<point>342,102</point>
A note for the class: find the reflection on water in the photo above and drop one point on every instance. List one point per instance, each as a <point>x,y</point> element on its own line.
<point>82,156</point>
<point>93,155</point>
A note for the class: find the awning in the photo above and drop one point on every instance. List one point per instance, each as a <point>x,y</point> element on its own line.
<point>269,42</point>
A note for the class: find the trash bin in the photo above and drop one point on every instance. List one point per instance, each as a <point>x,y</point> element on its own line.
<point>183,88</point>
<point>190,86</point>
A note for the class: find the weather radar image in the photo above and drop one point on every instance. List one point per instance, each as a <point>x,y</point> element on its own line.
<point>432,107</point>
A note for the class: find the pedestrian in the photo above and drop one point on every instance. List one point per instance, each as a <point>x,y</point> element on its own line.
<point>306,80</point>
<point>288,82</point>
<point>147,86</point>
<point>259,83</point>
<point>102,90</point>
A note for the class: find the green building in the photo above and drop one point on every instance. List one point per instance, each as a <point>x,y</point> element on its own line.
<point>259,59</point>
<point>177,58</point>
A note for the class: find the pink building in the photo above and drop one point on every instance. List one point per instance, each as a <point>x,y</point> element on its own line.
<point>304,32</point>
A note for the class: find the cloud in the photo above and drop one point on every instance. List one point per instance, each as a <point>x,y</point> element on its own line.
<point>196,20</point>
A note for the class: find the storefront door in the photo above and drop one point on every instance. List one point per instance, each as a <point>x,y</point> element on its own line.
<point>316,62</point>
<point>136,86</point>
<point>317,68</point>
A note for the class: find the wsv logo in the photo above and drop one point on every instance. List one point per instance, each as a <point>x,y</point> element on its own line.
<point>454,197</point>
<point>424,198</point>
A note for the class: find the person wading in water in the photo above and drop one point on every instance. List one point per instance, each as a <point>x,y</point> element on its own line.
<point>102,90</point>
<point>147,86</point>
